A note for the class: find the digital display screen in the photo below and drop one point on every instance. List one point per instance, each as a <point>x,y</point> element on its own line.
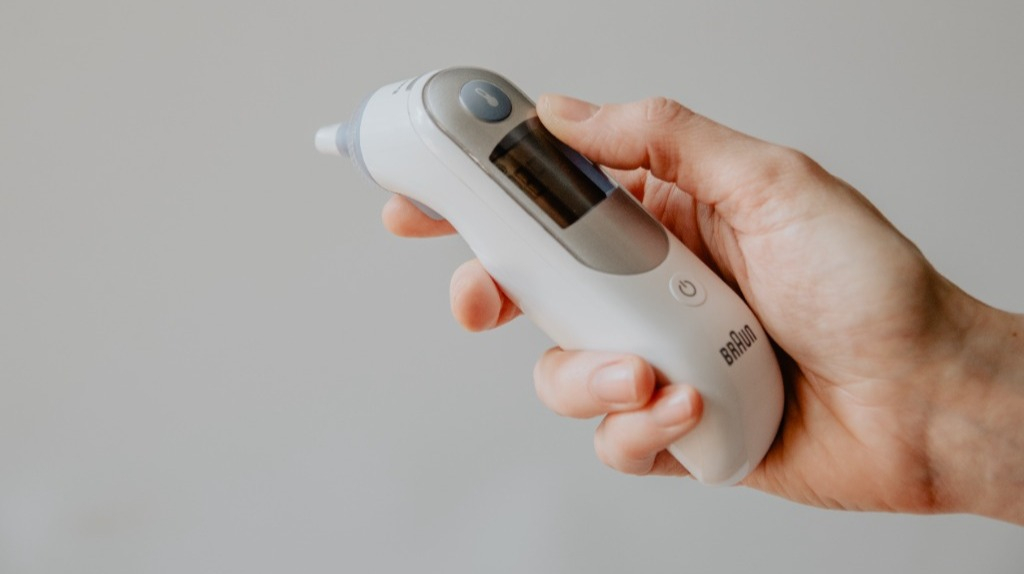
<point>557,178</point>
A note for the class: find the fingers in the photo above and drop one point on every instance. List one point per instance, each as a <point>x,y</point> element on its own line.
<point>634,441</point>
<point>643,421</point>
<point>477,302</point>
<point>404,219</point>
<point>721,167</point>
<point>584,385</point>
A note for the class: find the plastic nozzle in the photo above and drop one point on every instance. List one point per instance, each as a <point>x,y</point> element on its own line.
<point>333,140</point>
<point>343,140</point>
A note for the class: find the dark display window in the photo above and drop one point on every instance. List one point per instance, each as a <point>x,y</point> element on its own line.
<point>557,178</point>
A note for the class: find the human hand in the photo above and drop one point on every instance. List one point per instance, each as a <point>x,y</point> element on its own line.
<point>885,397</point>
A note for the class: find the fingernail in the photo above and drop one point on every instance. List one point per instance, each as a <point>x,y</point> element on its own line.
<point>570,109</point>
<point>614,383</point>
<point>674,408</point>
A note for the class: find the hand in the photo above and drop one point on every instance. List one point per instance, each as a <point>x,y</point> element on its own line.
<point>891,371</point>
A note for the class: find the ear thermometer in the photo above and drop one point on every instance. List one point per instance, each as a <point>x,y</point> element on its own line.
<point>578,254</point>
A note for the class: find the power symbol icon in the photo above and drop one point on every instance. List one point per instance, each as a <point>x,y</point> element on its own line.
<point>686,290</point>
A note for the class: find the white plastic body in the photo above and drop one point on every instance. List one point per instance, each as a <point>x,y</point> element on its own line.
<point>580,308</point>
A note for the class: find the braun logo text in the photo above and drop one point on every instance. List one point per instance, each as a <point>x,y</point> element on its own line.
<point>739,342</point>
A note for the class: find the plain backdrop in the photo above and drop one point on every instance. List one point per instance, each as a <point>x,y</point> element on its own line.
<point>214,359</point>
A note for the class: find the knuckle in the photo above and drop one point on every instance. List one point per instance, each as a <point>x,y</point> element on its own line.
<point>541,389</point>
<point>660,110</point>
<point>541,384</point>
<point>546,385</point>
<point>601,448</point>
<point>786,164</point>
<point>543,367</point>
<point>665,120</point>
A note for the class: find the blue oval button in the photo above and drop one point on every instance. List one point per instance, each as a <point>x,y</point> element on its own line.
<point>485,101</point>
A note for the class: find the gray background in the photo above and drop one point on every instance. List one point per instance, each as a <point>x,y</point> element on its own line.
<point>214,359</point>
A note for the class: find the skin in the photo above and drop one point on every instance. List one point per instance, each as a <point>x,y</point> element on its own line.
<point>903,393</point>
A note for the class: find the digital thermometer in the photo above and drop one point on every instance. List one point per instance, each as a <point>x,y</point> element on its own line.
<point>578,254</point>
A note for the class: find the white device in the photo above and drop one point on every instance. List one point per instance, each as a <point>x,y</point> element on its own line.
<point>579,255</point>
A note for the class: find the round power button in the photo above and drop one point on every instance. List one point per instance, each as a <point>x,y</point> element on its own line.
<point>687,290</point>
<point>485,101</point>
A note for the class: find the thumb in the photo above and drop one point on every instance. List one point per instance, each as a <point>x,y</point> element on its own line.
<point>734,172</point>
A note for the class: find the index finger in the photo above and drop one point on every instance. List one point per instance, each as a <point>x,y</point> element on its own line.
<point>404,219</point>
<point>742,177</point>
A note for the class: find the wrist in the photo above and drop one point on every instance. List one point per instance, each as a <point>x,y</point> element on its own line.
<point>976,432</point>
